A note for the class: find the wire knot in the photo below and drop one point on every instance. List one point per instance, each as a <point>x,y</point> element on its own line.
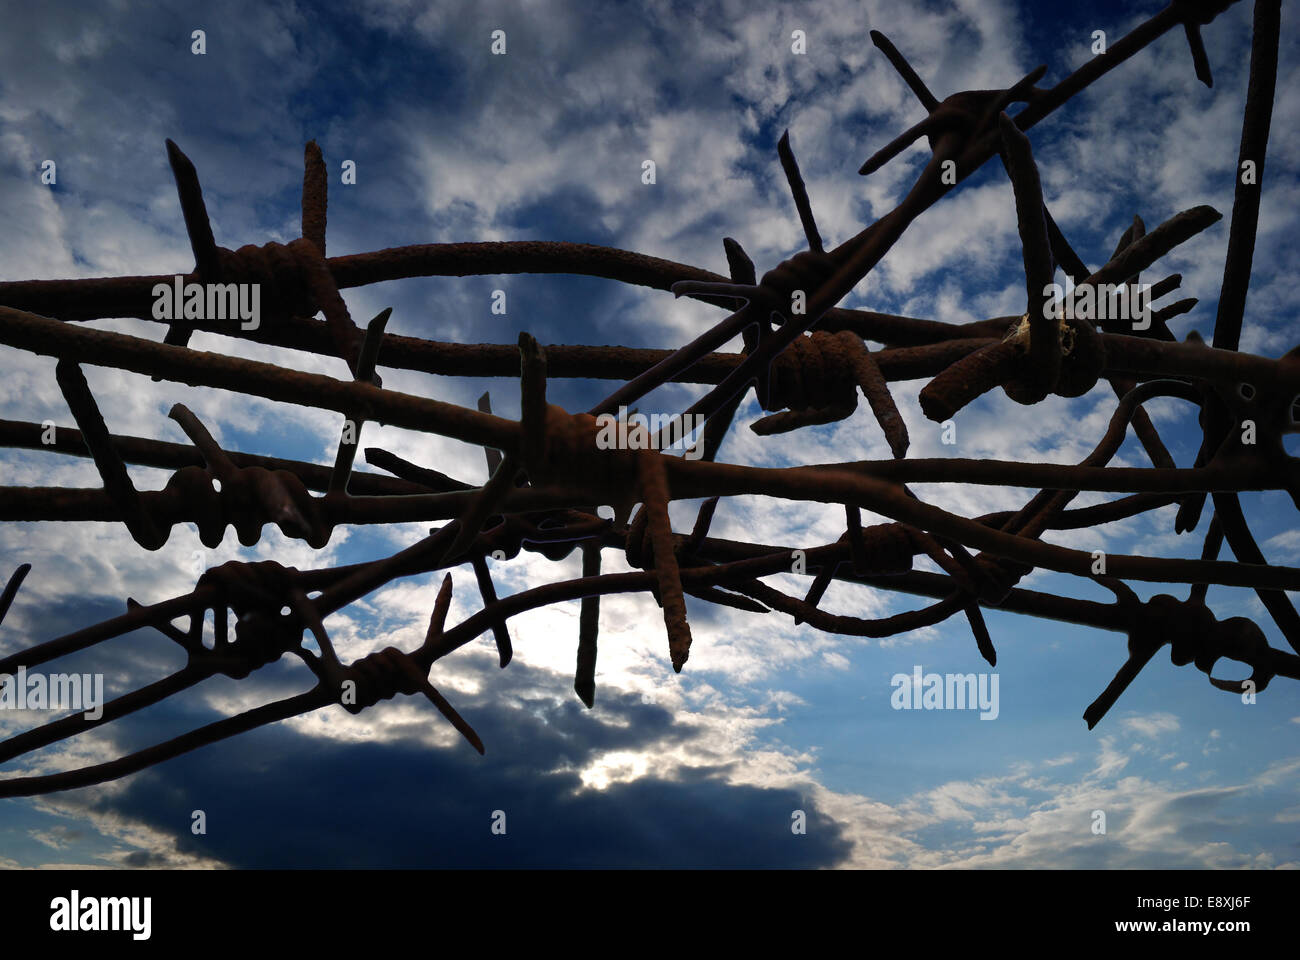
<point>1196,636</point>
<point>1083,358</point>
<point>382,675</point>
<point>294,281</point>
<point>258,593</point>
<point>249,498</point>
<point>816,379</point>
<point>805,272</point>
<point>889,549</point>
<point>1006,363</point>
<point>815,371</point>
<point>283,271</point>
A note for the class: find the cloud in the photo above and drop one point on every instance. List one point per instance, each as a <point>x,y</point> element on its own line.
<point>1153,725</point>
<point>451,144</point>
<point>629,784</point>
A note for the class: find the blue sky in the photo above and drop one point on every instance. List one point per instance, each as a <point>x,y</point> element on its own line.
<point>454,144</point>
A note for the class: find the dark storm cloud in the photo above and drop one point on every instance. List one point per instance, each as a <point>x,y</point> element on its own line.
<point>278,798</point>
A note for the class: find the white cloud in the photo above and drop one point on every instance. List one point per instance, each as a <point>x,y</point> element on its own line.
<point>1152,725</point>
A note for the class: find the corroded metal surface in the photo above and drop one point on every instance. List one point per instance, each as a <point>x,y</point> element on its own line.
<point>549,473</point>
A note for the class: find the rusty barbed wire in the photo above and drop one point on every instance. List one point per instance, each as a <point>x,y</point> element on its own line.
<point>549,472</point>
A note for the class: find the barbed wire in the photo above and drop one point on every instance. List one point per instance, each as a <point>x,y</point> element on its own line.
<point>806,358</point>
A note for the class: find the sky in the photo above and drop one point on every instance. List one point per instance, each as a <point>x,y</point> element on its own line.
<point>451,143</point>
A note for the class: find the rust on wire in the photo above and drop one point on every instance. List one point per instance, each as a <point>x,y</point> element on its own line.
<point>550,472</point>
